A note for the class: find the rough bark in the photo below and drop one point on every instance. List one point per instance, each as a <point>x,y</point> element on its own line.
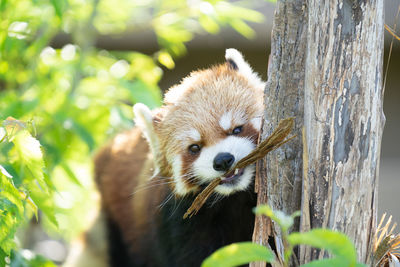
<point>343,119</point>
<point>325,70</point>
<point>278,182</point>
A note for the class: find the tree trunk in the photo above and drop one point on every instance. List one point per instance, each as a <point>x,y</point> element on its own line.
<point>343,119</point>
<point>278,182</point>
<point>326,57</point>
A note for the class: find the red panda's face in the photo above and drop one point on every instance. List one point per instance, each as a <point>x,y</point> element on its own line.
<point>238,139</point>
<point>210,121</point>
<point>212,124</point>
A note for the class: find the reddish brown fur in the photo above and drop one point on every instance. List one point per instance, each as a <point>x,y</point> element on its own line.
<point>201,105</point>
<point>126,156</point>
<point>122,169</point>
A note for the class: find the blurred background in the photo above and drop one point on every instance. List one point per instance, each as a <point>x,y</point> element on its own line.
<point>70,70</point>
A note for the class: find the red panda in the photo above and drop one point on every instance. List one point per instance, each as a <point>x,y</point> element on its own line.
<point>149,176</point>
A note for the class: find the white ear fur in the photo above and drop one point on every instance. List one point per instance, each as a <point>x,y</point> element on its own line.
<point>144,120</point>
<point>233,55</point>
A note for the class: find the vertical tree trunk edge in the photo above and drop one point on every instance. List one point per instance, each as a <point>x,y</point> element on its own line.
<point>325,70</point>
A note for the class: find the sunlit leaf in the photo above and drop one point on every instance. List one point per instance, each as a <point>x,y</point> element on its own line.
<point>70,173</point>
<point>209,24</point>
<point>5,172</point>
<point>2,134</point>
<point>31,165</point>
<point>27,258</point>
<point>11,213</point>
<point>335,242</point>
<point>143,93</point>
<point>241,27</point>
<point>166,59</point>
<point>284,221</point>
<point>227,9</point>
<point>238,254</point>
<point>12,127</point>
<point>59,6</point>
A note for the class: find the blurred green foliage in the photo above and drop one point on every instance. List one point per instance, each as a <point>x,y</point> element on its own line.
<point>58,105</point>
<point>338,244</point>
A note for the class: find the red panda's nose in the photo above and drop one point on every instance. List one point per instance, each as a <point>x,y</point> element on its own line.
<point>223,161</point>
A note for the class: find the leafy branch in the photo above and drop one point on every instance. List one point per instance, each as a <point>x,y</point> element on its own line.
<point>241,253</point>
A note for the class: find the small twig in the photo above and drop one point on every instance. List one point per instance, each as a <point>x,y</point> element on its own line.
<point>275,140</point>
<point>202,198</point>
<point>391,31</point>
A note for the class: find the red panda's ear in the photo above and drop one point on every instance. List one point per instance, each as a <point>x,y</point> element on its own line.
<point>236,62</point>
<point>232,64</point>
<point>147,122</point>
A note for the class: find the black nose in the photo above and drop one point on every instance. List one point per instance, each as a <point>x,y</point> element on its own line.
<point>223,161</point>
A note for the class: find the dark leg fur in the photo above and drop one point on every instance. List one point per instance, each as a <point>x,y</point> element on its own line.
<point>178,242</point>
<point>117,249</point>
<point>188,242</point>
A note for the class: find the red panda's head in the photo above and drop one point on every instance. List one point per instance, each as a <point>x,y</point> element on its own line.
<point>207,123</point>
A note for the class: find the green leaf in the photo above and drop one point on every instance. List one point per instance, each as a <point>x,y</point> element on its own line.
<point>59,6</point>
<point>30,157</point>
<point>143,93</point>
<point>209,24</point>
<point>3,4</point>
<point>70,174</point>
<point>32,170</point>
<point>3,134</point>
<point>5,172</point>
<point>27,258</point>
<point>335,242</point>
<point>283,220</point>
<point>238,254</point>
<point>335,262</point>
<point>11,213</point>
<point>241,27</point>
<point>83,133</point>
<point>3,256</point>
<point>166,59</point>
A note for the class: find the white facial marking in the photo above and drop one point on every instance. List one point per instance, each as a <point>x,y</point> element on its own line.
<point>239,118</point>
<point>256,122</point>
<point>180,187</point>
<point>194,135</point>
<point>226,121</point>
<point>239,147</point>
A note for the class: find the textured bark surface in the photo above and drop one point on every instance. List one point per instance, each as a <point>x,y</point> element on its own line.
<point>343,119</point>
<point>326,70</point>
<point>278,182</point>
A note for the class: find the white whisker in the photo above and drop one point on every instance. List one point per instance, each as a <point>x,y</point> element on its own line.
<point>150,185</point>
<point>168,198</point>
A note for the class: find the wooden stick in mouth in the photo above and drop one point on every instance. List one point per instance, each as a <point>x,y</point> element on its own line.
<point>275,140</point>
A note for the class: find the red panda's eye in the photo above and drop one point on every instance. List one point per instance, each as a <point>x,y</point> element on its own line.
<point>237,130</point>
<point>194,149</point>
